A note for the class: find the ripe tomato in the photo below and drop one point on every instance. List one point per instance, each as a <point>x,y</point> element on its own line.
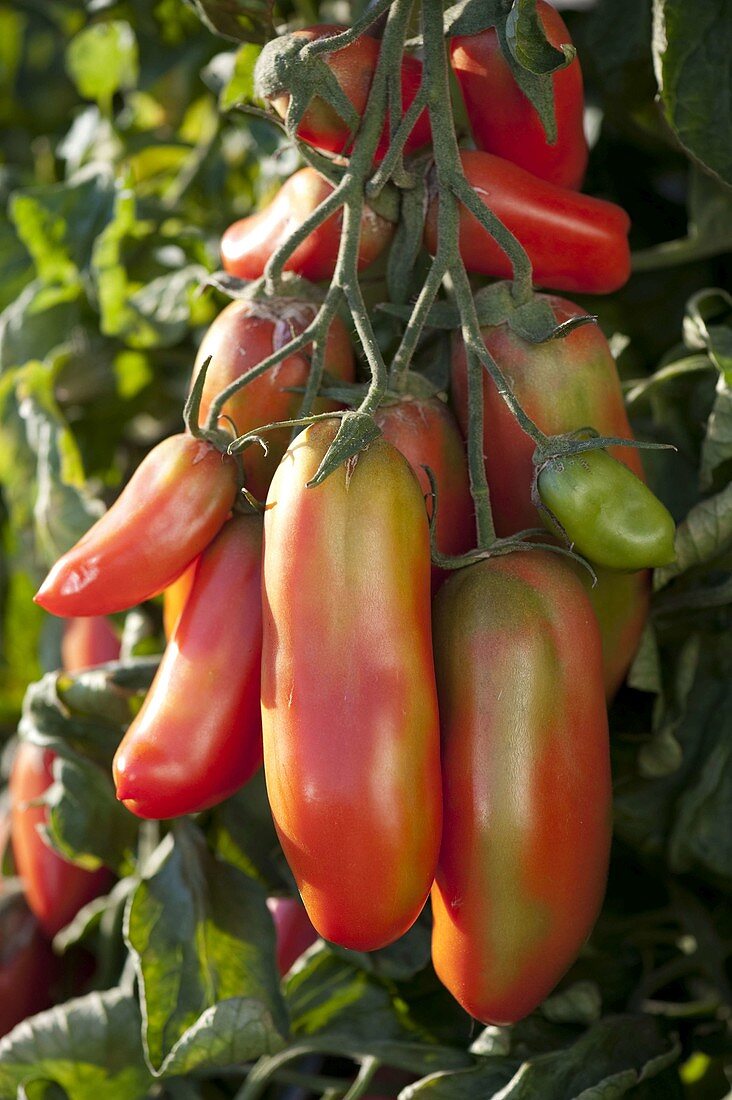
<point>526,775</point>
<point>248,243</point>
<point>171,508</point>
<point>349,712</point>
<point>87,642</point>
<point>28,966</point>
<point>503,119</point>
<point>575,242</point>
<point>197,737</point>
<point>425,432</point>
<point>563,385</point>
<point>175,596</point>
<point>293,929</point>
<point>239,339</point>
<point>353,66</point>
<point>608,514</point>
<point>54,888</point>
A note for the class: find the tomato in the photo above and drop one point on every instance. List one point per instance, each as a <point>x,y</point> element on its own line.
<point>293,929</point>
<point>349,711</point>
<point>503,119</point>
<point>171,508</point>
<point>28,966</point>
<point>608,514</point>
<point>353,66</point>
<point>197,737</point>
<point>248,243</point>
<point>563,385</point>
<point>526,774</point>
<point>87,642</point>
<point>425,432</point>
<point>175,596</point>
<point>575,242</point>
<point>239,339</point>
<point>54,888</point>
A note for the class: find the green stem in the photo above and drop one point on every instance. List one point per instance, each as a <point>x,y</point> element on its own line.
<point>368,1068</point>
<point>396,146</point>
<point>413,331</point>
<point>338,41</point>
<point>275,264</point>
<point>485,528</point>
<point>504,238</point>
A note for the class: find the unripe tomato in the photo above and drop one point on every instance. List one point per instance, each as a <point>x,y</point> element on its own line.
<point>425,432</point>
<point>197,737</point>
<point>54,888</point>
<point>608,514</point>
<point>575,242</point>
<point>293,929</point>
<point>28,966</point>
<point>248,243</point>
<point>504,120</point>
<point>87,642</point>
<point>526,775</point>
<point>172,506</point>
<point>349,711</point>
<point>353,67</point>
<point>244,334</point>
<point>563,385</point>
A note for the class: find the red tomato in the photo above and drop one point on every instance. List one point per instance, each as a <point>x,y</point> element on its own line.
<point>293,929</point>
<point>197,737</point>
<point>425,432</point>
<point>175,596</point>
<point>575,242</point>
<point>239,339</point>
<point>54,888</point>
<point>349,712</point>
<point>353,67</point>
<point>28,966</point>
<point>171,508</point>
<point>503,119</point>
<point>87,642</point>
<point>248,243</point>
<point>563,385</point>
<point>526,774</point>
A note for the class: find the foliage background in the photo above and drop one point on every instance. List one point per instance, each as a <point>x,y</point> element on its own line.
<point>123,157</point>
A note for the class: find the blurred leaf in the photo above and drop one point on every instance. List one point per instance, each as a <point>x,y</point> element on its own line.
<point>203,943</point>
<point>242,832</point>
<point>710,227</point>
<point>401,960</point>
<point>242,20</point>
<point>102,59</point>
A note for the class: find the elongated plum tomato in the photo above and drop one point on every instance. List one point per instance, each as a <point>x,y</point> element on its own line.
<point>27,964</point>
<point>503,119</point>
<point>293,929</point>
<point>349,711</point>
<point>525,764</point>
<point>353,66</point>
<point>248,243</point>
<point>563,385</point>
<point>608,514</point>
<point>240,338</point>
<point>197,737</point>
<point>575,242</point>
<point>175,597</point>
<point>171,508</point>
<point>87,642</point>
<point>425,432</point>
<point>54,888</point>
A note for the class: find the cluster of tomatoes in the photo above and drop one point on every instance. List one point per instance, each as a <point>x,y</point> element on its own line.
<point>455,744</point>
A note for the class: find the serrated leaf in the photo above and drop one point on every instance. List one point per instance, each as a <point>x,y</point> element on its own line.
<point>692,44</point>
<point>103,59</point>
<point>203,943</point>
<point>88,1046</point>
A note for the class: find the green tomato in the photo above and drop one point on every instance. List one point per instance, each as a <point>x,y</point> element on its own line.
<point>606,512</point>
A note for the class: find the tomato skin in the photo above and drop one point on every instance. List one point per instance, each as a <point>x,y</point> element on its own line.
<point>349,709</point>
<point>293,929</point>
<point>175,597</point>
<point>28,966</point>
<point>425,432</point>
<point>503,119</point>
<point>171,508</point>
<point>87,642</point>
<point>248,243</point>
<point>197,737</point>
<point>608,514</point>
<point>575,242</point>
<point>354,66</point>
<point>526,774</point>
<point>563,385</point>
<point>239,339</point>
<point>54,888</point>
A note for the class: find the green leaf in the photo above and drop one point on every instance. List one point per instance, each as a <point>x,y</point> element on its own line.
<point>203,943</point>
<point>692,44</point>
<point>241,831</point>
<point>705,534</point>
<point>103,59</point>
<point>231,75</point>
<point>528,43</point>
<point>401,960</point>
<point>242,20</point>
<point>709,232</point>
<point>89,1046</point>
